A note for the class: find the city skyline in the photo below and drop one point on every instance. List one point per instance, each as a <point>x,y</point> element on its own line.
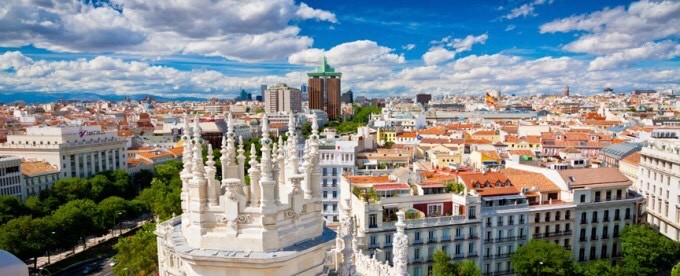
<point>519,47</point>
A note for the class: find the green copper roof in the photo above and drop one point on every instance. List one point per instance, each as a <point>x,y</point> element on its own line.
<point>324,70</point>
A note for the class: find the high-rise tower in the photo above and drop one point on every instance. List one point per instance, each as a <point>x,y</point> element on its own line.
<point>324,90</point>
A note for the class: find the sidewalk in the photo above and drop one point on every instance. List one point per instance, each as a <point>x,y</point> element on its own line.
<point>55,257</point>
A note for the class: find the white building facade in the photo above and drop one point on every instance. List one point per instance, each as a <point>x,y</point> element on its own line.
<point>81,151</point>
<point>11,181</point>
<point>659,182</point>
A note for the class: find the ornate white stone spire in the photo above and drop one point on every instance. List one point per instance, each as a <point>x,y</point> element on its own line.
<point>241,159</point>
<point>266,165</point>
<point>223,157</point>
<point>254,173</point>
<point>400,247</point>
<point>230,141</point>
<point>197,167</point>
<point>280,160</point>
<point>210,170</point>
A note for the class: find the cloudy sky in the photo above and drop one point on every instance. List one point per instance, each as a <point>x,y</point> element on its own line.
<point>211,48</point>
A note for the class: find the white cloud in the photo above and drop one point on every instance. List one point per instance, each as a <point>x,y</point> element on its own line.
<point>106,75</point>
<point>465,44</point>
<point>360,52</point>
<point>510,28</point>
<point>438,55</point>
<point>160,27</point>
<point>526,9</point>
<point>655,51</point>
<point>408,47</point>
<point>612,30</point>
<point>523,10</point>
<point>306,12</point>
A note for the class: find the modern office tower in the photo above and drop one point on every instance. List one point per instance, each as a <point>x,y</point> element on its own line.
<point>10,177</point>
<point>245,96</point>
<point>423,98</point>
<point>271,227</point>
<point>348,97</point>
<point>263,88</point>
<point>281,98</point>
<point>324,90</point>
<point>658,180</point>
<point>77,151</point>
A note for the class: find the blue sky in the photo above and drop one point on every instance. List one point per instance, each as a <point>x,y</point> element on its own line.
<point>212,48</point>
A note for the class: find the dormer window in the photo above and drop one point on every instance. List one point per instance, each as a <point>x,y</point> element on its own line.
<point>477,185</point>
<point>507,183</point>
<point>486,184</point>
<point>498,183</point>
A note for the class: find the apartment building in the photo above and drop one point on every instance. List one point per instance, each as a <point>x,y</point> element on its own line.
<point>336,157</point>
<point>436,219</point>
<point>504,214</point>
<point>659,181</point>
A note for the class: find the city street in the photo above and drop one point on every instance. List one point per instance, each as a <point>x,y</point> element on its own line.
<point>97,267</point>
<point>42,261</point>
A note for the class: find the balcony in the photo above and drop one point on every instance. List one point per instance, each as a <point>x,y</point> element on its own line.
<point>373,246</point>
<point>417,260</point>
<point>473,237</point>
<point>521,221</point>
<point>567,233</point>
<point>605,236</point>
<point>458,238</point>
<point>504,239</point>
<point>446,238</point>
<point>511,222</point>
<point>488,224</point>
<point>595,237</point>
<point>521,238</point>
<point>595,220</point>
<point>488,240</point>
<point>617,218</point>
<point>432,240</point>
<point>503,255</point>
<point>538,235</point>
<point>582,239</point>
<point>583,221</point>
<point>567,247</point>
<point>372,226</point>
<point>417,242</point>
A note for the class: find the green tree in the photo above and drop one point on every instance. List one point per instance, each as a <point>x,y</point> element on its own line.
<point>114,209</point>
<point>162,199</point>
<point>36,206</point>
<point>168,170</point>
<point>469,268</point>
<point>647,251</point>
<point>597,268</point>
<point>442,264</point>
<point>27,237</point>
<point>11,208</point>
<point>100,187</point>
<point>67,189</point>
<point>76,220</point>
<point>543,258</point>
<point>122,183</point>
<point>306,129</point>
<point>137,254</point>
<point>142,179</point>
<point>676,270</point>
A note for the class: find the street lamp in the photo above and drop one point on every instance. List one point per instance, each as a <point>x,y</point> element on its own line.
<point>121,225</point>
<point>538,272</point>
<point>48,250</point>
<point>45,269</point>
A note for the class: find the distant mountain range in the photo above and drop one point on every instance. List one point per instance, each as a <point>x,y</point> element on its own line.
<point>42,97</point>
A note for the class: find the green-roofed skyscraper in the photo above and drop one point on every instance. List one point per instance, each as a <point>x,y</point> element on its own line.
<point>324,90</point>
